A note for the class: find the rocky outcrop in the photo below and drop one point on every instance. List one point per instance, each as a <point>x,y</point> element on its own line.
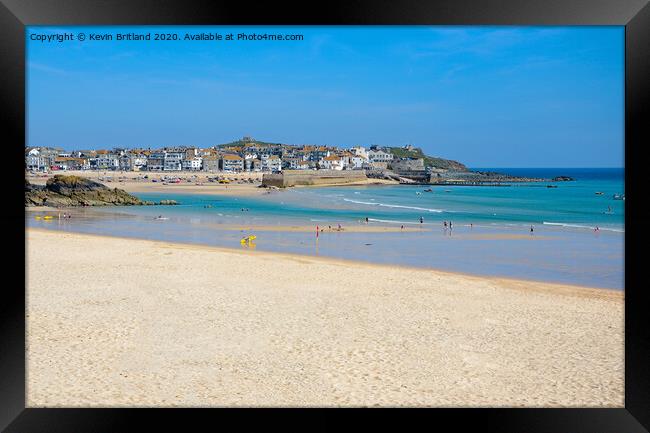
<point>562,179</point>
<point>452,177</point>
<point>68,191</point>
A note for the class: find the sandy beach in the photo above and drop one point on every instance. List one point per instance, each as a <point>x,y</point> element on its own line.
<point>241,184</point>
<point>124,322</point>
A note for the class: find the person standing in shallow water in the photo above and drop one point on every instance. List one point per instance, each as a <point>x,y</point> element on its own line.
<point>531,230</point>
<point>421,220</point>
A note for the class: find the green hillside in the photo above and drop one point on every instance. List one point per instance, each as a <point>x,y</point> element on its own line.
<point>242,143</point>
<point>429,161</point>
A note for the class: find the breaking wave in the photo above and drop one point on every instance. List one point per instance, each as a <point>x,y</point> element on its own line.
<point>394,206</point>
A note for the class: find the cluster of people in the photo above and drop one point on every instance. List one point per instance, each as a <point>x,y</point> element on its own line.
<point>320,230</point>
<point>65,215</point>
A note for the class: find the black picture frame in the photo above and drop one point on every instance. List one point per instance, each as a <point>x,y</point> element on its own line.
<point>15,15</point>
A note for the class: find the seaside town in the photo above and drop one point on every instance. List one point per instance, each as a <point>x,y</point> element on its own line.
<point>244,155</point>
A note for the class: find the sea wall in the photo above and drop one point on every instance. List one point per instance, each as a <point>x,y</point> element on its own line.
<point>312,177</point>
<point>407,165</point>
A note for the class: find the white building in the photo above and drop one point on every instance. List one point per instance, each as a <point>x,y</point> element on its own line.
<point>332,162</point>
<point>271,163</point>
<point>232,163</point>
<point>108,161</point>
<point>359,151</point>
<point>379,156</point>
<point>357,161</point>
<point>34,160</point>
<point>173,161</point>
<point>192,164</point>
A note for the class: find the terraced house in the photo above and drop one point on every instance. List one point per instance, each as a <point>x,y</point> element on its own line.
<point>232,163</point>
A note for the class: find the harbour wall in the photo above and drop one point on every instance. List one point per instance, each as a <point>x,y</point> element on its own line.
<point>312,177</point>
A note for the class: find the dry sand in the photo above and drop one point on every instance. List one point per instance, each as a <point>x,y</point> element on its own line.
<point>134,182</point>
<point>124,322</point>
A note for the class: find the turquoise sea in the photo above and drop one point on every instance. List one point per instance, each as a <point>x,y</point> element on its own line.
<point>489,224</point>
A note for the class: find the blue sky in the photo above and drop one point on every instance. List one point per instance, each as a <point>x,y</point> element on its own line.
<point>485,96</point>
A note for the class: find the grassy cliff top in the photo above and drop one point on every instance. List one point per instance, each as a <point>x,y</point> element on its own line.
<point>429,161</point>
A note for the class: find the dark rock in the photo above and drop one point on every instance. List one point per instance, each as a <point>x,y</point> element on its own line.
<point>68,191</point>
<point>562,179</point>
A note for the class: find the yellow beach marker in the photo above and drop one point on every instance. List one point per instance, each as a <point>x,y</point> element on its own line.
<point>248,240</point>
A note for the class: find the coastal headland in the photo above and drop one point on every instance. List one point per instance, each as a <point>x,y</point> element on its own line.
<point>187,325</point>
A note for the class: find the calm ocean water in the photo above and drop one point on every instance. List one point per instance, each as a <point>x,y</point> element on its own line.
<point>565,249</point>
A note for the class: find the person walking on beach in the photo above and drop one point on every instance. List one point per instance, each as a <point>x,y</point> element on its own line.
<point>449,225</point>
<point>366,220</point>
<point>531,230</point>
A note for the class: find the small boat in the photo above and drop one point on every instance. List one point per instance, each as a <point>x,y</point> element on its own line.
<point>447,190</point>
<point>161,218</point>
<point>619,197</point>
<point>551,186</point>
<point>599,193</point>
<point>428,190</point>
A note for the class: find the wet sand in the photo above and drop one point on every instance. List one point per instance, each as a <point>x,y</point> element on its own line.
<point>125,322</point>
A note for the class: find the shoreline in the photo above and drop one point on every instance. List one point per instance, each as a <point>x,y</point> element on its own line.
<point>515,282</point>
<point>178,325</point>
